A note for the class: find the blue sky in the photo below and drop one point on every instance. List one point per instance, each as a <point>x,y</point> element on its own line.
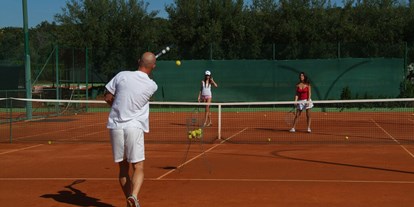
<point>11,12</point>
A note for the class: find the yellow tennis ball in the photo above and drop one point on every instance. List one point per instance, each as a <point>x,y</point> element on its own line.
<point>49,142</point>
<point>189,136</point>
<point>194,133</point>
<point>178,63</point>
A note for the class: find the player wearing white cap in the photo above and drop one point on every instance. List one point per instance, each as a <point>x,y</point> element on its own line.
<point>206,96</point>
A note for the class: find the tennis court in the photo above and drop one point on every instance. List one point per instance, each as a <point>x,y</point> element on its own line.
<point>355,156</point>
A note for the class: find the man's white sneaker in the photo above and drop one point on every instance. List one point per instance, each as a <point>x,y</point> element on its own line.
<point>292,130</point>
<point>132,201</point>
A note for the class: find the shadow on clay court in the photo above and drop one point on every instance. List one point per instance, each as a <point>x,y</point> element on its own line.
<point>76,197</point>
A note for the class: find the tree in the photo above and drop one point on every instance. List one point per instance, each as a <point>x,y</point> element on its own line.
<point>222,25</point>
<point>12,45</point>
<point>117,31</point>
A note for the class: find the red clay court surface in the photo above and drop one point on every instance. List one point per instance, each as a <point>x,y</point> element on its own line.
<point>321,169</point>
<point>226,175</point>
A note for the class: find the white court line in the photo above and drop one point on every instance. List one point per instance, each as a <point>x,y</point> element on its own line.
<point>202,153</point>
<point>220,180</point>
<point>52,132</point>
<point>21,149</point>
<point>292,180</point>
<point>75,138</point>
<point>395,140</point>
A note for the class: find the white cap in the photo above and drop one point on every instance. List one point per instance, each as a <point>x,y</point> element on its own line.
<point>208,72</point>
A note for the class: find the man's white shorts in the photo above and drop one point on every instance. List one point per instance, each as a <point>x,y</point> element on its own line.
<point>128,144</point>
<point>303,105</point>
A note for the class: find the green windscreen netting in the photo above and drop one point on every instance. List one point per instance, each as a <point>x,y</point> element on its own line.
<point>267,80</point>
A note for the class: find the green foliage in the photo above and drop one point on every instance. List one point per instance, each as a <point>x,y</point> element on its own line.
<point>116,32</point>
<point>11,45</point>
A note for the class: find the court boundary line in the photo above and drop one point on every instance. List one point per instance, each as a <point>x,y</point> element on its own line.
<point>25,137</point>
<point>218,179</point>
<point>201,154</point>
<point>20,149</point>
<point>395,140</point>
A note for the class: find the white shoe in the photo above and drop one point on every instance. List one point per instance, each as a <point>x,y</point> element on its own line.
<point>292,130</point>
<point>132,201</point>
<point>309,130</point>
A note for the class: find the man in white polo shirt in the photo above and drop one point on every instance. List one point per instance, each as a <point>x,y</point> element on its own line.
<point>128,94</point>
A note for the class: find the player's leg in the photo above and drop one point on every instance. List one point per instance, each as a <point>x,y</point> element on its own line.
<point>117,142</point>
<point>135,153</point>
<point>295,120</point>
<point>207,112</point>
<point>137,177</point>
<point>136,183</point>
<point>208,120</point>
<point>124,179</point>
<point>308,119</point>
<point>206,115</point>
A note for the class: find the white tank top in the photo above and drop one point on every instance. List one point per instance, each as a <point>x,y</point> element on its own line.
<point>206,90</point>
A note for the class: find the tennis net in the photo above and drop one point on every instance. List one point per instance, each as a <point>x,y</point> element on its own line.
<point>387,121</point>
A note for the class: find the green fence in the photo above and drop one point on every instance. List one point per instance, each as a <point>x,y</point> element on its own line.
<point>267,80</point>
<point>239,80</point>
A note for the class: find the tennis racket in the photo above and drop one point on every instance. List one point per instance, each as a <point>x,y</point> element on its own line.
<point>75,182</point>
<point>290,116</point>
<point>162,52</point>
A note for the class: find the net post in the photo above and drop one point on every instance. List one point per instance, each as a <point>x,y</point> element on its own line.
<point>219,122</point>
<point>87,77</point>
<point>10,105</point>
<point>28,78</point>
<point>57,71</point>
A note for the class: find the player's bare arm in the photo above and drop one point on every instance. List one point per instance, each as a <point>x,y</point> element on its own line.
<point>109,98</point>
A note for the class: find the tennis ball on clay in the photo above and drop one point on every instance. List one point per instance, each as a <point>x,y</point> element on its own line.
<point>49,142</point>
<point>346,137</point>
<point>178,63</point>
